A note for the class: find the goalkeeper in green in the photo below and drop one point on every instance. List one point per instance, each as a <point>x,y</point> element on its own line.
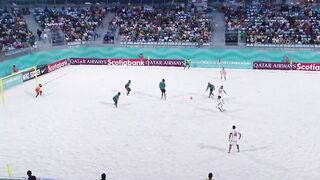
<point>187,63</point>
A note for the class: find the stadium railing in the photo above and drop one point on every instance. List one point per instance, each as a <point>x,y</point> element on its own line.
<point>308,46</point>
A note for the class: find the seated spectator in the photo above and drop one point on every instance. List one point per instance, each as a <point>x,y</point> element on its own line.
<point>162,24</point>
<point>78,24</point>
<point>15,69</point>
<point>14,32</point>
<point>265,23</point>
<point>109,37</point>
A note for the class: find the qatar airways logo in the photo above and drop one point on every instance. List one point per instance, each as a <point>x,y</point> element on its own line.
<point>274,66</point>
<point>165,62</point>
<point>57,65</point>
<point>308,66</point>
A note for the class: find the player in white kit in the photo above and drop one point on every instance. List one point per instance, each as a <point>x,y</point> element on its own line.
<point>220,104</point>
<point>234,136</point>
<point>221,91</point>
<point>223,74</point>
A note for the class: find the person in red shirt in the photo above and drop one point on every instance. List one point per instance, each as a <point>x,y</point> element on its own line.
<point>14,69</point>
<point>38,90</point>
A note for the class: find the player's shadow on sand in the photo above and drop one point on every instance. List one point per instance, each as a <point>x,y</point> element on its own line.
<point>233,110</point>
<point>112,104</point>
<point>34,94</point>
<point>147,95</point>
<point>207,109</point>
<point>107,103</point>
<point>203,146</point>
<point>254,149</point>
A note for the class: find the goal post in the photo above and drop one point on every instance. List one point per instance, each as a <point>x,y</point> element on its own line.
<point>17,78</point>
<point>2,91</point>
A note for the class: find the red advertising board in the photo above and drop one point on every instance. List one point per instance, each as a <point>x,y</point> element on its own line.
<point>127,62</point>
<point>308,66</point>
<point>165,62</point>
<point>286,66</point>
<point>274,65</point>
<point>108,61</point>
<point>57,65</point>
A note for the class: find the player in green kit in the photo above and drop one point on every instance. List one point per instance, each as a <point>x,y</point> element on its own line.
<point>211,88</point>
<point>162,86</point>
<point>187,63</point>
<point>127,86</point>
<point>115,99</point>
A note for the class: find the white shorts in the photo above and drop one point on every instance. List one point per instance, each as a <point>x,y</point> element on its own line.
<point>233,142</point>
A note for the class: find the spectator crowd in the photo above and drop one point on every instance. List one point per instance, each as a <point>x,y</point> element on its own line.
<point>163,24</point>
<point>78,24</point>
<point>265,23</point>
<point>14,32</point>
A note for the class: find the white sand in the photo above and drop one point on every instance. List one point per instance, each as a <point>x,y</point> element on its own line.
<point>73,132</point>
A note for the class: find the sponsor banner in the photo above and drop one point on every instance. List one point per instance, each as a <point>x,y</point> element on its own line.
<point>41,70</point>
<point>308,66</point>
<point>127,62</point>
<point>108,61</point>
<point>224,63</point>
<point>274,65</point>
<point>12,81</point>
<point>57,65</point>
<point>165,62</point>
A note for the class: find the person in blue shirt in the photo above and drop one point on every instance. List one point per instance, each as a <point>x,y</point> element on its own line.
<point>162,86</point>
<point>127,86</point>
<point>115,99</point>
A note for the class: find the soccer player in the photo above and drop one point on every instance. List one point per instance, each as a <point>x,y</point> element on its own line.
<point>223,74</point>
<point>162,86</point>
<point>234,136</point>
<point>187,63</point>
<point>115,99</point>
<point>38,90</point>
<point>127,86</point>
<point>221,91</point>
<point>220,104</point>
<point>211,88</point>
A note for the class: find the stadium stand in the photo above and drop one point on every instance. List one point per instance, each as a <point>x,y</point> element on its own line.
<point>263,24</point>
<point>78,24</point>
<point>14,32</point>
<point>166,24</point>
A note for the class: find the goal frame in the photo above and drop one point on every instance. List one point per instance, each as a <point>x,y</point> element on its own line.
<point>2,85</point>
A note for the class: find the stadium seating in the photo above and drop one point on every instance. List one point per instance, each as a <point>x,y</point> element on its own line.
<point>169,25</point>
<point>14,32</point>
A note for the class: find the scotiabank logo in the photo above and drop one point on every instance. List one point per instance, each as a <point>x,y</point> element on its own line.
<point>308,66</point>
<point>127,62</point>
<point>57,65</point>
